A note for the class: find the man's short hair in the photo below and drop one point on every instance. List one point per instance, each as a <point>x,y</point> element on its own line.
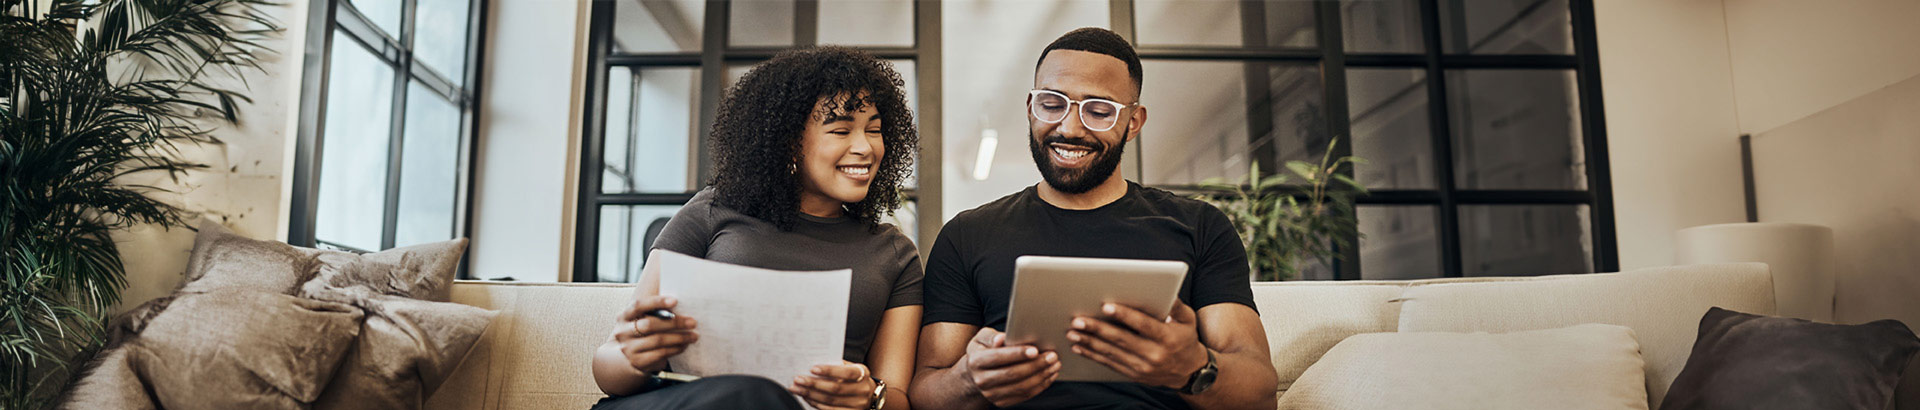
<point>1098,40</point>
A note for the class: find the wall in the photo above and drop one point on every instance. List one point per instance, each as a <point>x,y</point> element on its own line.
<point>1827,89</point>
<point>1672,134</point>
<point>244,184</point>
<point>1795,58</point>
<point>524,181</point>
<point>1853,168</point>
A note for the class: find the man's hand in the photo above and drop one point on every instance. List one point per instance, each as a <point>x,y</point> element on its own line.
<point>648,341</point>
<point>1006,375</point>
<point>1148,350</point>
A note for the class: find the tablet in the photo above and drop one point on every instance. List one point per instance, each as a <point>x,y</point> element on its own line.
<point>1049,291</point>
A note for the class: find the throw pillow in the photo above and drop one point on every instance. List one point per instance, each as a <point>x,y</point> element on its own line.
<point>224,260</point>
<point>407,348</point>
<point>240,349</point>
<point>110,383</point>
<point>1590,366</point>
<point>1743,361</point>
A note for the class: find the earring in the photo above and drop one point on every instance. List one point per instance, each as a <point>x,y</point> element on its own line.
<point>791,169</point>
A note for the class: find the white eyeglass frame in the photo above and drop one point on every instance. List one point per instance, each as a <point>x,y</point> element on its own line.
<point>1072,104</point>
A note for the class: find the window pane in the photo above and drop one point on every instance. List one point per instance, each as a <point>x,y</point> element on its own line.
<point>385,14</point>
<point>1388,108</point>
<point>1516,129</point>
<point>1525,240</point>
<point>912,88</point>
<point>658,26</point>
<point>760,23</point>
<point>441,41</point>
<point>429,168</point>
<point>1381,26</point>
<point>1506,27</point>
<point>650,130</point>
<point>626,234</point>
<point>867,22</point>
<point>1400,242</point>
<point>1198,127</point>
<point>907,218</point>
<point>1282,23</point>
<point>1297,99</point>
<point>353,168</point>
<point>1200,119</point>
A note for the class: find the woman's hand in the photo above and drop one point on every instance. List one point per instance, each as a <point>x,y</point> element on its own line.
<point>648,341</point>
<point>845,386</point>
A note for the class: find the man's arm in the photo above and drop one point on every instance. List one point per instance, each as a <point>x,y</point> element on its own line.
<point>1165,352</point>
<point>1239,343</point>
<point>966,367</point>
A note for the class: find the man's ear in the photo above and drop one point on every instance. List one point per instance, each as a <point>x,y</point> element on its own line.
<point>1135,123</point>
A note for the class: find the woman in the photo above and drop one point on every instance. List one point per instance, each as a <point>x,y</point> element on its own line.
<point>810,149</point>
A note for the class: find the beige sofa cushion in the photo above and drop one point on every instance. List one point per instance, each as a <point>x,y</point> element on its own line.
<point>1588,366</point>
<point>538,353</point>
<point>1662,305</point>
<point>1305,319</point>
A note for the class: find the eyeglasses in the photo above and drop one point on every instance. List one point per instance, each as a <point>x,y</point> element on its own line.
<point>1096,114</point>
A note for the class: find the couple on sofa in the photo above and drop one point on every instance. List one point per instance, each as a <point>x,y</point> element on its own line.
<point>811,148</point>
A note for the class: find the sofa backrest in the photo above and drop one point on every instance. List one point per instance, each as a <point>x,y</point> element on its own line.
<point>1663,306</point>
<point>539,352</point>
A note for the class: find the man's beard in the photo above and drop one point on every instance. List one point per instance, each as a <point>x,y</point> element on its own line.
<point>1075,181</point>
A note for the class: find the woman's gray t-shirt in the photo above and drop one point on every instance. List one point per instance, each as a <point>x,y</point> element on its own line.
<point>886,265</point>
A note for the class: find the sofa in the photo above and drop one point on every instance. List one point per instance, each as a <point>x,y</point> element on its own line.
<point>537,353</point>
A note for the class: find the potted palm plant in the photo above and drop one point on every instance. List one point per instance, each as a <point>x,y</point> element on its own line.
<point>1288,219</point>
<point>93,95</point>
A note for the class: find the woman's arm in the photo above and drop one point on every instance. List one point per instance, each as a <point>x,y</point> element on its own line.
<point>893,357</point>
<point>622,365</point>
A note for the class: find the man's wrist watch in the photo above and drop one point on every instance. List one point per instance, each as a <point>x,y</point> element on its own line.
<point>1202,379</point>
<point>879,394</point>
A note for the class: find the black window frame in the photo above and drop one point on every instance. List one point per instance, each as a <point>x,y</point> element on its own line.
<point>324,18</point>
<point>1333,60</point>
<point>713,59</point>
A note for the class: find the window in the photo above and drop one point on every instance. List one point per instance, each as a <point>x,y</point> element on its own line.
<point>1480,121</point>
<point>656,72</point>
<point>387,123</point>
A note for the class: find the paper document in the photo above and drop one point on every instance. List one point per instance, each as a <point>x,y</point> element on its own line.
<point>762,322</point>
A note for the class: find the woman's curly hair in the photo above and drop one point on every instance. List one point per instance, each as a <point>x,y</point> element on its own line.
<point>757,132</point>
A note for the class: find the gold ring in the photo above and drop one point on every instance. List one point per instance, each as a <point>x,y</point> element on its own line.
<point>636,329</point>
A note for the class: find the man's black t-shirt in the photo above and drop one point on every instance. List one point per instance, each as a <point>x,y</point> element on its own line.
<point>969,276</point>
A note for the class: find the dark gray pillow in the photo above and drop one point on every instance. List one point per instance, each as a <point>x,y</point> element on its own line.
<point>1743,361</point>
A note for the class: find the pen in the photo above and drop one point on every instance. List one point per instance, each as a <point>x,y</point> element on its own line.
<point>661,313</point>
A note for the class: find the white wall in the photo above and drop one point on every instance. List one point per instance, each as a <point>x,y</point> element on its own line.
<point>1828,89</point>
<point>245,185</point>
<point>1853,168</point>
<point>1795,58</point>
<point>1672,134</point>
<point>524,187</point>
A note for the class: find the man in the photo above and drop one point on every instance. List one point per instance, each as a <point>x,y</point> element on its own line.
<point>1083,109</point>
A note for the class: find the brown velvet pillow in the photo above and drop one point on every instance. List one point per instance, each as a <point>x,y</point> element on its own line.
<point>1743,361</point>
<point>241,349</point>
<point>224,260</point>
<point>110,384</point>
<point>406,350</point>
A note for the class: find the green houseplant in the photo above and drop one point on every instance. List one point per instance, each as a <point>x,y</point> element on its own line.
<point>1287,219</point>
<point>96,96</point>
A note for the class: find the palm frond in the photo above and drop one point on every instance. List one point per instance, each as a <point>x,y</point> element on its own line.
<point>92,93</point>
